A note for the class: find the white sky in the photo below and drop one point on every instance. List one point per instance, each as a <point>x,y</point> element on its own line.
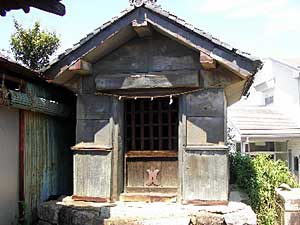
<point>261,27</point>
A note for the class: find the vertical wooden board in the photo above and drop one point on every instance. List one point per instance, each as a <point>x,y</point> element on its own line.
<point>152,165</point>
<point>205,130</point>
<point>100,175</point>
<point>222,176</point>
<point>88,85</point>
<point>169,173</point>
<point>205,176</point>
<point>135,174</point>
<point>92,174</point>
<point>181,143</point>
<point>98,131</point>
<point>219,77</point>
<point>157,53</point>
<point>93,107</point>
<point>208,103</point>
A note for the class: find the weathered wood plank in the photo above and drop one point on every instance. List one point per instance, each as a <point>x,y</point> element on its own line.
<point>93,107</point>
<point>145,190</point>
<point>205,130</point>
<point>208,102</point>
<point>157,53</point>
<point>118,149</point>
<point>151,154</point>
<point>135,173</point>
<point>87,85</point>
<point>98,131</point>
<point>89,199</point>
<point>92,174</point>
<point>166,79</point>
<point>207,62</point>
<point>82,67</point>
<point>169,173</point>
<point>219,77</point>
<point>205,177</point>
<point>142,29</point>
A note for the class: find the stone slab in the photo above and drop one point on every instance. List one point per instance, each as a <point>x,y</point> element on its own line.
<point>138,213</point>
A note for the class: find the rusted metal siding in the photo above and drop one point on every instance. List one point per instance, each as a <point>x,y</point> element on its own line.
<point>48,159</point>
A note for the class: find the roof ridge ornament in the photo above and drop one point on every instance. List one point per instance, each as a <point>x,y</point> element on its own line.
<point>139,3</point>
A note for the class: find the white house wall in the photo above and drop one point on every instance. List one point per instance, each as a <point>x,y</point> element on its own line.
<point>9,165</point>
<point>287,90</point>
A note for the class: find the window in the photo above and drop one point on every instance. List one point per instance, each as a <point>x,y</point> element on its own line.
<point>151,125</point>
<point>269,100</point>
<point>277,150</point>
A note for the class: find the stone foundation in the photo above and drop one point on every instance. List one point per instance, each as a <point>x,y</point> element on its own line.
<point>68,212</point>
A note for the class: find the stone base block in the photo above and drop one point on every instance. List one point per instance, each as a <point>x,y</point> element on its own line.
<point>71,212</point>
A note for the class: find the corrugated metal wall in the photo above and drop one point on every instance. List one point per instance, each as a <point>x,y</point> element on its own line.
<point>48,159</point>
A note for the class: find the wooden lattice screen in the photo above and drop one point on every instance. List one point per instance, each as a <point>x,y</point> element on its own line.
<point>151,124</point>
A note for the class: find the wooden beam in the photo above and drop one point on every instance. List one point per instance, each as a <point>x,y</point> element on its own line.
<point>142,29</point>
<point>82,67</point>
<point>152,154</point>
<point>26,8</point>
<point>89,199</point>
<point>51,6</point>
<point>2,12</point>
<point>207,62</point>
<point>164,79</point>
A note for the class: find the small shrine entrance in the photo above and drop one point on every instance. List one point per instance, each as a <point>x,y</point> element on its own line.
<point>151,141</point>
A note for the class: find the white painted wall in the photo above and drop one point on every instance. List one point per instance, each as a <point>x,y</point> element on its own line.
<point>286,86</point>
<point>9,165</point>
<point>280,80</point>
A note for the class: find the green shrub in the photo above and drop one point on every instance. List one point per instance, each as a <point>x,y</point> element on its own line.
<point>259,177</point>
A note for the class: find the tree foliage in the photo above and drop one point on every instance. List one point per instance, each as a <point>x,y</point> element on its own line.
<point>34,46</point>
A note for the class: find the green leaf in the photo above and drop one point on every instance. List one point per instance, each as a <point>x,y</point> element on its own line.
<point>34,46</point>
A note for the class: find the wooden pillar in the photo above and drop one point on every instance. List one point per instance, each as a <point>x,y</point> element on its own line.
<point>118,149</point>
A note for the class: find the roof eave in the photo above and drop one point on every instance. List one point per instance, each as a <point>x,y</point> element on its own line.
<point>223,53</point>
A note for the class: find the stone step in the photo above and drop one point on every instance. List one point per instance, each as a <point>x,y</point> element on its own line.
<point>153,221</point>
<point>148,197</point>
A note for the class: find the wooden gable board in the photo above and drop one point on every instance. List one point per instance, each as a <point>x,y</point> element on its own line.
<point>161,20</point>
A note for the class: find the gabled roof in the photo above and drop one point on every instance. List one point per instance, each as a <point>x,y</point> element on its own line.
<point>262,122</point>
<point>118,31</point>
<point>7,64</point>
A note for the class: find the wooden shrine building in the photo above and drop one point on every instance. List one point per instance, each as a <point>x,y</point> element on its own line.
<point>152,93</point>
